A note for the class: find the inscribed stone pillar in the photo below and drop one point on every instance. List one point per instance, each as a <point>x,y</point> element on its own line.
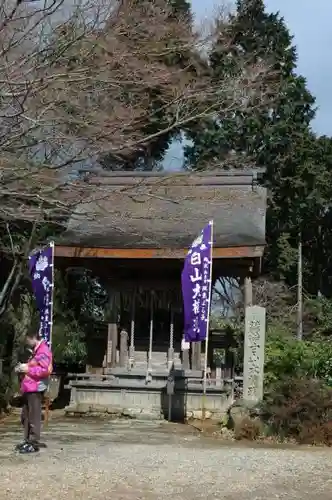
<point>123,348</point>
<point>254,345</point>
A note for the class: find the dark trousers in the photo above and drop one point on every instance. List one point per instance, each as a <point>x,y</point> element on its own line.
<point>32,416</point>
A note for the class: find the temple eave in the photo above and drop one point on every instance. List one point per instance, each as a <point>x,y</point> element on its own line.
<point>154,253</point>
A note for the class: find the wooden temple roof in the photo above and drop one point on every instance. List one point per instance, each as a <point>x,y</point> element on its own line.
<point>158,211</point>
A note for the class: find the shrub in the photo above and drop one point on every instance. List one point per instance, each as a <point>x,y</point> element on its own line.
<point>4,382</point>
<point>286,357</point>
<point>248,428</point>
<point>320,433</point>
<point>300,409</point>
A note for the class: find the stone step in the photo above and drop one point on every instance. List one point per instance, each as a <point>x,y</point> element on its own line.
<point>141,356</point>
<point>159,360</point>
<point>157,357</point>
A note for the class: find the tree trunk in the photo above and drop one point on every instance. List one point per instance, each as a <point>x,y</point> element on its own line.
<point>299,332</point>
<point>10,286</point>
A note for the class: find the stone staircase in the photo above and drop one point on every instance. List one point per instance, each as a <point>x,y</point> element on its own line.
<point>159,360</point>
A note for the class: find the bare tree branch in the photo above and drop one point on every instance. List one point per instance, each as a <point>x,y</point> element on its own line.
<point>96,79</point>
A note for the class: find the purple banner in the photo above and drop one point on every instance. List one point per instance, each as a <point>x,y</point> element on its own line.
<point>42,275</point>
<point>196,286</point>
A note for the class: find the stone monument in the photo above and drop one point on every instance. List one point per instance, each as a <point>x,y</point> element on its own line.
<point>254,346</point>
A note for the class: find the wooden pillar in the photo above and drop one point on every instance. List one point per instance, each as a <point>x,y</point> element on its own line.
<point>185,348</point>
<point>112,315</point>
<point>149,364</point>
<point>112,342</point>
<point>123,348</point>
<point>170,353</point>
<point>199,356</point>
<point>185,359</point>
<point>219,378</point>
<point>247,291</point>
<point>196,356</point>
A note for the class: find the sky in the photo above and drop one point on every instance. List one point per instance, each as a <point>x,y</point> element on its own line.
<point>310,23</point>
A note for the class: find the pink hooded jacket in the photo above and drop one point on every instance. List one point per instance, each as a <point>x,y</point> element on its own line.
<point>39,369</point>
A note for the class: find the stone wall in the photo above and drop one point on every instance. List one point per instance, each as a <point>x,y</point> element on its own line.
<point>152,401</point>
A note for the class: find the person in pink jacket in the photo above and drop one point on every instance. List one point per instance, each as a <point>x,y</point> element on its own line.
<point>34,382</point>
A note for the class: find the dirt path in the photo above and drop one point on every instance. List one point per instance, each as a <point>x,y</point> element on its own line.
<point>130,460</point>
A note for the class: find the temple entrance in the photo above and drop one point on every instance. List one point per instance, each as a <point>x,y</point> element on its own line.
<point>138,345</point>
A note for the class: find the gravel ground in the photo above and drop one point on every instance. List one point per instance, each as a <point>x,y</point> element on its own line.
<point>130,460</point>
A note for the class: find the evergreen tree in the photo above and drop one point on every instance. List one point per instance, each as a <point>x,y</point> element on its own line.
<point>181,7</point>
<point>257,36</point>
<point>276,137</point>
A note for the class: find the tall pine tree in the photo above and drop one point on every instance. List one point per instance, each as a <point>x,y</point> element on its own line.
<point>257,36</point>
<point>276,137</point>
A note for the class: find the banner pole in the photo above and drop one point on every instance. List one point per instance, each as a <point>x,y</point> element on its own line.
<point>47,398</point>
<point>149,361</point>
<point>207,324</point>
<point>52,296</point>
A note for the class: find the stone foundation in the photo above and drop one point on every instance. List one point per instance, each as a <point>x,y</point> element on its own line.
<point>131,397</point>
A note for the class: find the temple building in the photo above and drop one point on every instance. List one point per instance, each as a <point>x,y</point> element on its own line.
<point>133,235</point>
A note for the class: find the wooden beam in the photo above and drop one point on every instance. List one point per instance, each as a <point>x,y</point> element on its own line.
<point>153,253</point>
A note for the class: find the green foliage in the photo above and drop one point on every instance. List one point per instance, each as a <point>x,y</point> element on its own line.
<point>181,7</point>
<point>319,310</point>
<point>79,300</point>
<point>280,329</point>
<point>300,409</point>
<point>84,296</point>
<point>233,329</point>
<point>4,393</point>
<point>288,358</point>
<point>230,326</point>
<point>68,343</point>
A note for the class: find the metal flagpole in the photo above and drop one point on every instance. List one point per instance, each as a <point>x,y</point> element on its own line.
<point>207,323</point>
<point>149,364</point>
<point>132,332</point>
<point>47,396</point>
<point>52,295</point>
